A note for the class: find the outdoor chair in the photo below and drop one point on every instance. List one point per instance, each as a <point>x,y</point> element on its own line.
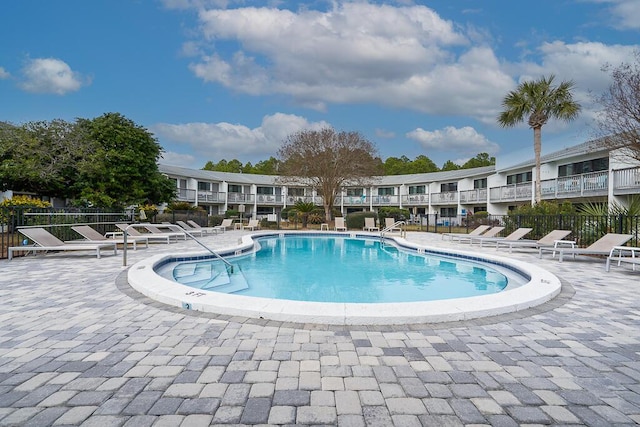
<point>601,246</point>
<point>547,240</point>
<point>467,238</point>
<point>390,225</point>
<point>92,235</point>
<point>370,225</point>
<point>475,232</point>
<point>46,242</point>
<point>132,231</point>
<point>514,236</point>
<point>191,230</point>
<point>340,226</point>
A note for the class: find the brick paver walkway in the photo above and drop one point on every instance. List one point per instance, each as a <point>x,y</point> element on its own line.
<point>79,347</point>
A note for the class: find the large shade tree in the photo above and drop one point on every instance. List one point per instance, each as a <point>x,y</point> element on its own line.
<point>619,120</point>
<point>538,101</point>
<point>327,161</point>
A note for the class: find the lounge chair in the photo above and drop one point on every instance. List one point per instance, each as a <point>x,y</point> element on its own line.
<point>197,226</point>
<point>370,225</point>
<point>516,235</point>
<point>548,239</point>
<point>602,246</point>
<point>492,232</point>
<point>132,231</point>
<point>155,229</point>
<point>475,232</point>
<point>226,223</point>
<point>253,224</point>
<point>194,231</point>
<point>340,224</point>
<point>626,254</point>
<point>92,236</point>
<point>389,225</point>
<point>45,241</point>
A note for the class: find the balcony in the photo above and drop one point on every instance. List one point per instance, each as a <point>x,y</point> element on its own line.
<point>444,198</point>
<point>478,195</point>
<point>584,185</point>
<point>270,200</point>
<point>317,200</point>
<point>209,197</point>
<point>240,198</point>
<point>385,200</point>
<point>512,192</point>
<point>351,201</point>
<point>626,181</point>
<point>415,200</point>
<point>185,195</point>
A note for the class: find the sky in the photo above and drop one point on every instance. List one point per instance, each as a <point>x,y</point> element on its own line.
<point>231,79</point>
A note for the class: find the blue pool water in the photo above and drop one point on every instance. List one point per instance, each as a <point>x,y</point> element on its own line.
<point>341,269</point>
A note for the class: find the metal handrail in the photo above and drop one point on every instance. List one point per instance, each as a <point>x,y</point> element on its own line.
<point>124,252</point>
<point>397,224</point>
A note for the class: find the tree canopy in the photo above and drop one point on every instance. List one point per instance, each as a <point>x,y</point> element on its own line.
<point>327,161</point>
<point>619,120</point>
<point>108,161</point>
<point>538,101</point>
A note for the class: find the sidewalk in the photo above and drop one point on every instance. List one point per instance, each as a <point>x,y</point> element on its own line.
<point>79,347</point>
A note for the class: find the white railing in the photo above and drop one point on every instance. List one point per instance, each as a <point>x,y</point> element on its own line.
<point>186,195</point>
<point>475,195</point>
<point>211,197</point>
<point>511,192</point>
<point>385,200</point>
<point>587,184</point>
<point>269,199</point>
<point>626,180</point>
<point>447,197</point>
<point>415,199</point>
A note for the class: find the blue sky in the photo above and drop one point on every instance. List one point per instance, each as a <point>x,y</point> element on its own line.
<point>216,79</point>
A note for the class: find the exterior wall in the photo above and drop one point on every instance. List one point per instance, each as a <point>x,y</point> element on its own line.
<point>614,186</point>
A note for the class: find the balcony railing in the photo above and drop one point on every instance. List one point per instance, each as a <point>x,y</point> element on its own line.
<point>240,198</point>
<point>444,198</point>
<point>473,196</point>
<point>626,181</point>
<point>389,200</point>
<point>291,200</point>
<point>185,195</point>
<point>511,192</point>
<point>270,199</point>
<point>351,201</point>
<point>209,197</point>
<point>415,199</point>
<point>587,184</point>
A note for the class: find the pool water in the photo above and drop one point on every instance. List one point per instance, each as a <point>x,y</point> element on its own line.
<point>341,269</point>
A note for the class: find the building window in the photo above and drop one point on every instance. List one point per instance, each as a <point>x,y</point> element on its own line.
<point>449,186</point>
<point>520,178</point>
<point>480,183</point>
<point>587,166</point>
<point>448,212</point>
<point>268,191</point>
<point>203,186</point>
<point>295,192</point>
<point>235,188</point>
<point>355,192</point>
<point>418,189</point>
<point>386,191</point>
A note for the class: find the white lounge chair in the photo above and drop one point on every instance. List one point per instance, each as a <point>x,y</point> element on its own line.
<point>626,254</point>
<point>92,236</point>
<point>132,231</point>
<point>155,229</point>
<point>206,229</point>
<point>370,225</point>
<point>517,234</point>
<point>548,240</point>
<point>193,231</point>
<point>340,224</point>
<point>475,232</point>
<point>389,225</point>
<point>253,224</point>
<point>602,246</point>
<point>46,242</point>
<point>226,223</point>
<point>492,232</point>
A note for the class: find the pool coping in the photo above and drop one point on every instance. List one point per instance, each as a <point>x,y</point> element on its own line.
<point>542,287</point>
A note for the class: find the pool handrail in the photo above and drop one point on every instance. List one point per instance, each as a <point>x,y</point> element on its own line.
<point>397,224</point>
<point>124,254</point>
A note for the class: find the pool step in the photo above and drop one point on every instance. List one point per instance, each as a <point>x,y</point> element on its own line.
<point>230,284</point>
<point>210,276</point>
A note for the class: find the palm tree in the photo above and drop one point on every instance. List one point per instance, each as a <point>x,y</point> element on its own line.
<point>304,209</point>
<point>539,100</point>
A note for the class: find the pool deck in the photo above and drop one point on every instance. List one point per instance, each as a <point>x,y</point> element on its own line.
<point>78,346</point>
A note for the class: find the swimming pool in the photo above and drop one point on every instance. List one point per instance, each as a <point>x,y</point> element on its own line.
<point>540,287</point>
<point>342,269</point>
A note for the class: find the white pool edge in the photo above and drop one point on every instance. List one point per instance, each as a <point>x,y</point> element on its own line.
<point>542,287</point>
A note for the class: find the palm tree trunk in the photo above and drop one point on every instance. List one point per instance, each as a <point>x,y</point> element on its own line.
<point>537,148</point>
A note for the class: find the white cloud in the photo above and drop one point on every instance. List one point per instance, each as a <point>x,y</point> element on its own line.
<point>381,133</point>
<point>50,75</point>
<point>465,140</point>
<point>215,141</point>
<point>4,74</point>
<point>626,14</point>
<point>395,56</point>
<point>179,159</point>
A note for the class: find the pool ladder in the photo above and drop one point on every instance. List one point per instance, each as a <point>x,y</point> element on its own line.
<point>397,225</point>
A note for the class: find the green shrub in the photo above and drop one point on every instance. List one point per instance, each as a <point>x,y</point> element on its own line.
<point>182,206</point>
<point>396,213</point>
<point>215,220</point>
<point>231,213</point>
<point>356,220</point>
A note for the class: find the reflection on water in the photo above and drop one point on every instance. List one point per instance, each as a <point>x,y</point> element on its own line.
<point>329,269</point>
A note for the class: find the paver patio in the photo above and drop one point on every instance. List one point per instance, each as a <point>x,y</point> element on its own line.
<point>79,347</point>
